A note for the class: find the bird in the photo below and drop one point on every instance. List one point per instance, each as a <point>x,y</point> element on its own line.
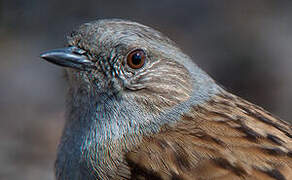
<point>138,107</point>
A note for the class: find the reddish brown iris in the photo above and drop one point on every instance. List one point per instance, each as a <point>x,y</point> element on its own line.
<point>136,59</point>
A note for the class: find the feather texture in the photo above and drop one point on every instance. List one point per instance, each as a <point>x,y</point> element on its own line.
<point>165,120</point>
<point>225,138</point>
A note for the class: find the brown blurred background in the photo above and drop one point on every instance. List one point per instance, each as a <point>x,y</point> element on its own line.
<point>245,45</point>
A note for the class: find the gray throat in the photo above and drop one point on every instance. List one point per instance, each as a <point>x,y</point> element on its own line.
<point>93,123</point>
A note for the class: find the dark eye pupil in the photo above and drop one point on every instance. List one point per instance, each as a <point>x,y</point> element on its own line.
<point>136,59</point>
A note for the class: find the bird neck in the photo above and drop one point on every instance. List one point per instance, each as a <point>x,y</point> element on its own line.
<point>99,128</point>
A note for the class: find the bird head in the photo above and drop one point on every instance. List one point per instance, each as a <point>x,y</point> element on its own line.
<point>107,58</point>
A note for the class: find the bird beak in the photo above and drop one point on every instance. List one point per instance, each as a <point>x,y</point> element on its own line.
<point>72,57</point>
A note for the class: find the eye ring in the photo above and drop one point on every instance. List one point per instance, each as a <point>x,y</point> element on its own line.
<point>136,59</point>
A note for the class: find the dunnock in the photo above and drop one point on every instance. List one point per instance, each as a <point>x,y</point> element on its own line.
<point>139,108</point>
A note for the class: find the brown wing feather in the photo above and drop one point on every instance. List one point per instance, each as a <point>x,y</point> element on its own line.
<point>226,138</point>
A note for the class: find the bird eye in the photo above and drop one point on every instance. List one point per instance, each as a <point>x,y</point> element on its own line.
<point>136,59</point>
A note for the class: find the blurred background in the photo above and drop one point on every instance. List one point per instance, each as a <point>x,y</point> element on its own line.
<point>245,45</point>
